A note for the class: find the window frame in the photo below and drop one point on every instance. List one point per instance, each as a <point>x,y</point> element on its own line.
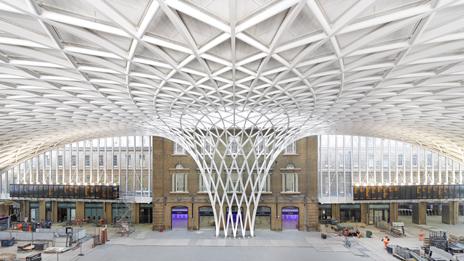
<point>293,151</point>
<point>178,149</point>
<point>174,184</point>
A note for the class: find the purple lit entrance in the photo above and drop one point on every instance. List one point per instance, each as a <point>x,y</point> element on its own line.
<point>179,217</point>
<point>290,218</point>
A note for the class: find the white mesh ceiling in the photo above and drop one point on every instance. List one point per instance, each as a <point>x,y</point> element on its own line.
<point>78,69</point>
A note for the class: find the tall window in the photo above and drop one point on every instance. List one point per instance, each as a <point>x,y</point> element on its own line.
<point>400,159</point>
<point>208,145</point>
<point>60,160</point>
<point>234,178</point>
<point>290,180</point>
<point>73,160</point>
<point>178,149</point>
<point>129,160</point>
<point>291,148</point>
<point>260,145</point>
<point>429,159</point>
<point>100,160</point>
<point>266,181</point>
<point>87,160</point>
<point>115,160</point>
<point>234,145</point>
<point>47,160</point>
<point>179,180</point>
<point>141,160</point>
<point>202,186</point>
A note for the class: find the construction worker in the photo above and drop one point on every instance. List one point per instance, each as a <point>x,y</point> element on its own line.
<point>386,240</point>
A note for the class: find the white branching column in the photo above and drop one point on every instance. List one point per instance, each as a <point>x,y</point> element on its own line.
<point>234,152</point>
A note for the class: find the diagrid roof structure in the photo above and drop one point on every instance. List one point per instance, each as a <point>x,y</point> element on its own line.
<point>71,70</point>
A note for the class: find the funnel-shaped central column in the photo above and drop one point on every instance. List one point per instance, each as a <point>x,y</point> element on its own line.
<point>234,153</point>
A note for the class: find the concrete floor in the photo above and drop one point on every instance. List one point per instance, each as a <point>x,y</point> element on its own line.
<point>145,244</point>
<point>267,245</point>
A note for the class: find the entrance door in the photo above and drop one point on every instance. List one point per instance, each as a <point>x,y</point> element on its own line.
<point>378,212</point>
<point>179,218</point>
<point>34,214</point>
<point>66,211</point>
<point>145,213</point>
<point>290,217</point>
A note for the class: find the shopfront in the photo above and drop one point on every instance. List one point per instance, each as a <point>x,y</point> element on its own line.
<point>290,218</point>
<point>179,218</point>
<point>350,213</point>
<point>66,211</point>
<point>34,211</point>
<point>120,211</point>
<point>93,211</point>
<point>378,212</point>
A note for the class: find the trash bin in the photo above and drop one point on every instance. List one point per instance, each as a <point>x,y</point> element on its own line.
<point>368,234</point>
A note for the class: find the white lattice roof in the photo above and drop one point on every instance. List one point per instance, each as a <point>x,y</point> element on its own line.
<point>77,69</point>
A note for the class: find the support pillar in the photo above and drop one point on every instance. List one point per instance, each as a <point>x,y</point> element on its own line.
<point>107,210</point>
<point>135,213</point>
<point>313,216</point>
<point>80,210</point>
<point>158,216</point>
<point>274,223</point>
<point>42,210</point>
<point>312,206</point>
<point>419,213</point>
<point>24,210</point>
<point>393,212</point>
<point>54,211</point>
<point>336,211</point>
<point>364,213</point>
<point>450,213</point>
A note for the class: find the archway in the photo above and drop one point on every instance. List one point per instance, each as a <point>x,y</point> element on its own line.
<point>263,218</point>
<point>179,217</point>
<point>290,218</point>
<point>206,217</point>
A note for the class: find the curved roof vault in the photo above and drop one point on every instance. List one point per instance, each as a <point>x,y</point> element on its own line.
<point>72,70</point>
